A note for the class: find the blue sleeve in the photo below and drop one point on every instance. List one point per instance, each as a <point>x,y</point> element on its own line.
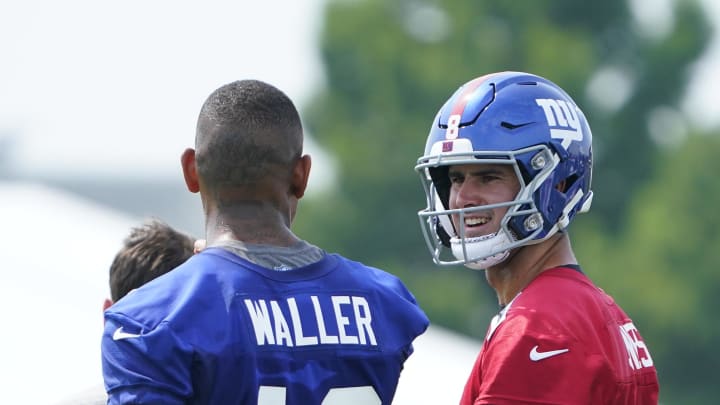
<point>142,366</point>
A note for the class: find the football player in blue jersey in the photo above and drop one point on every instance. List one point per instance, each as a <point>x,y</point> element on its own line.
<point>260,316</point>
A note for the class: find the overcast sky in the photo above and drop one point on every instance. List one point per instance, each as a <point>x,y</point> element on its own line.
<point>110,88</point>
<point>97,88</point>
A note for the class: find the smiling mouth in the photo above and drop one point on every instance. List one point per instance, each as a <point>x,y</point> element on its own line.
<point>476,221</point>
<point>475,226</point>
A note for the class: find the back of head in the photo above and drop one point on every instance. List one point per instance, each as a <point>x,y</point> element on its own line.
<point>248,132</point>
<point>150,251</point>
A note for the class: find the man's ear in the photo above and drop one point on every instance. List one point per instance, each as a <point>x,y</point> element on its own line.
<point>300,176</point>
<point>107,304</point>
<point>199,245</point>
<point>189,168</point>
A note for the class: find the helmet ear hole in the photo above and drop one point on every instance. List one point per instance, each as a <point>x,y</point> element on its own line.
<point>562,186</point>
<point>566,184</point>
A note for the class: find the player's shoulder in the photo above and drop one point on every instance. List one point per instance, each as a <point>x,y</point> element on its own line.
<point>386,285</point>
<point>367,274</point>
<point>558,302</point>
<point>360,267</point>
<point>553,289</point>
<point>400,308</point>
<point>524,321</point>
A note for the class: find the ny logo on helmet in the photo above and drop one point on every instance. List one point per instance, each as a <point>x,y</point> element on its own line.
<point>562,118</point>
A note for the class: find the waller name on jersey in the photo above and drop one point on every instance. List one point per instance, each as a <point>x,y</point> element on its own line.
<point>312,320</point>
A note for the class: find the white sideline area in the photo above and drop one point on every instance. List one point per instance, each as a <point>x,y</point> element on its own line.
<point>55,251</point>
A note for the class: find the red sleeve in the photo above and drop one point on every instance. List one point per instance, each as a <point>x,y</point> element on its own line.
<point>472,387</point>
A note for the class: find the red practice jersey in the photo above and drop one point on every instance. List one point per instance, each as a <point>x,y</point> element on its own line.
<point>562,340</point>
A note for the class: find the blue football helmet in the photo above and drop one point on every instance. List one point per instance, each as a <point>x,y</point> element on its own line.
<point>517,119</point>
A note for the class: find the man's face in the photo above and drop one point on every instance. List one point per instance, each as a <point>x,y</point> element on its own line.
<point>474,185</point>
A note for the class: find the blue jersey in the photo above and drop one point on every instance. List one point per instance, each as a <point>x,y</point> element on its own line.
<point>222,330</point>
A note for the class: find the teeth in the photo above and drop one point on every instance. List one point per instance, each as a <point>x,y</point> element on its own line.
<point>476,221</point>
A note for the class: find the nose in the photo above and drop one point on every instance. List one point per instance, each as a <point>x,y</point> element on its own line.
<point>467,195</point>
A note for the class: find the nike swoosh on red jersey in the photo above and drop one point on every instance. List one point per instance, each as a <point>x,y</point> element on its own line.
<point>535,355</point>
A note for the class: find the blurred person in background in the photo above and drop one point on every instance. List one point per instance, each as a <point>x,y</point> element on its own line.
<point>260,316</point>
<point>149,251</point>
<point>507,166</point>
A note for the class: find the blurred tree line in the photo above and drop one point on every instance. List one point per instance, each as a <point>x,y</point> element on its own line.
<point>650,239</point>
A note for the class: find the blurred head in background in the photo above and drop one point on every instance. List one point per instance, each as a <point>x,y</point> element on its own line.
<point>149,251</point>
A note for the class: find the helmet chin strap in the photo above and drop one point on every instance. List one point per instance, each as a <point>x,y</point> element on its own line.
<point>480,247</point>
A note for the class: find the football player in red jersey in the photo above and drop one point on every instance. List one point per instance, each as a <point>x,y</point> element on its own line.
<point>507,165</point>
